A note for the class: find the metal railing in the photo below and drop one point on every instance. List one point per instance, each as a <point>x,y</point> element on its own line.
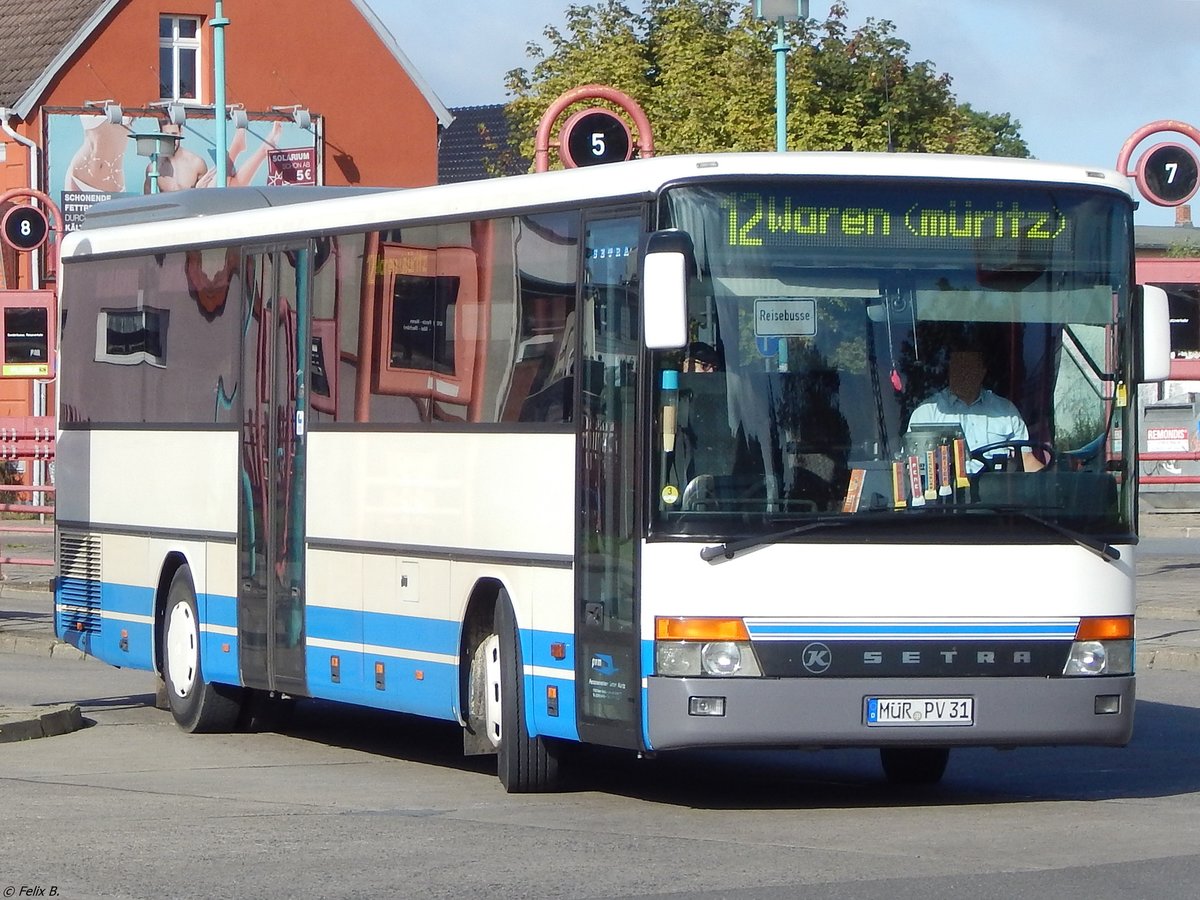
<point>29,439</point>
<point>1169,456</point>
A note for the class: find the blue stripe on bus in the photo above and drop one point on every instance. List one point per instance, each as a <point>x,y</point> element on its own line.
<point>102,635</point>
<point>414,686</point>
<point>434,695</point>
<point>415,634</point>
<point>136,649</point>
<point>221,610</point>
<point>1059,630</point>
<point>220,660</point>
<point>395,632</point>
<point>648,664</point>
<point>126,599</point>
<point>536,649</point>
<point>538,646</point>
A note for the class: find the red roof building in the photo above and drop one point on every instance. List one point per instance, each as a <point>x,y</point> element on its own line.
<point>316,97</point>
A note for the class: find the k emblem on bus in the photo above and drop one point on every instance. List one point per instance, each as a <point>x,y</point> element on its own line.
<point>817,658</point>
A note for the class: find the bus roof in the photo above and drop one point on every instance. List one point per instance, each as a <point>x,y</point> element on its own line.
<point>230,216</point>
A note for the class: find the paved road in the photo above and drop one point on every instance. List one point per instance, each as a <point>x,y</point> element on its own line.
<point>354,803</point>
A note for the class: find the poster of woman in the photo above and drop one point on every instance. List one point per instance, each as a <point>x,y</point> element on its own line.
<point>91,158</point>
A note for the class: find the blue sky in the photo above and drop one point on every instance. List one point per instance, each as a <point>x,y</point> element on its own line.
<point>1080,75</point>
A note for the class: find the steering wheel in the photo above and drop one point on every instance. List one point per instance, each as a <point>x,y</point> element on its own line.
<point>998,464</point>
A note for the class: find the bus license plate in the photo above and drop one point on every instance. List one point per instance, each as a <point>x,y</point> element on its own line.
<point>920,711</point>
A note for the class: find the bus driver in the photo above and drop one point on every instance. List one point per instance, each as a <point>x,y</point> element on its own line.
<point>984,416</point>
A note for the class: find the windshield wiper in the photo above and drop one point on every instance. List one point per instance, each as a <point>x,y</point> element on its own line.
<point>1102,549</point>
<point>729,550</point>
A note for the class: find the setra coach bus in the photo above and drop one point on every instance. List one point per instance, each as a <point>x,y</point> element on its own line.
<point>648,455</point>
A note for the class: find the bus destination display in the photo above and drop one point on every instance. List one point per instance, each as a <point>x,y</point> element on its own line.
<point>764,218</point>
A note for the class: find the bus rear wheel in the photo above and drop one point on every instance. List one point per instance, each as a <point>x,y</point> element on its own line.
<point>525,764</point>
<point>196,705</point>
<point>914,765</point>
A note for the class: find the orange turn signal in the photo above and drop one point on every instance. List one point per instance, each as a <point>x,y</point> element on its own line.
<point>680,629</point>
<point>1105,628</point>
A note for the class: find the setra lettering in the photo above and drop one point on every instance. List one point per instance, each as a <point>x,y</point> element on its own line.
<point>949,657</point>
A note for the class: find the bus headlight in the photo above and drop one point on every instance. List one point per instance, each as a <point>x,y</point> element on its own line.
<point>687,647</point>
<point>721,658</point>
<point>1103,646</point>
<point>677,658</point>
<point>1100,658</point>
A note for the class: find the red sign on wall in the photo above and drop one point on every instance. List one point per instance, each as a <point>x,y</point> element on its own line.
<point>297,166</point>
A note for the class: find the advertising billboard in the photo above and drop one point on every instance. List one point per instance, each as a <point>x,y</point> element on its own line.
<point>90,158</point>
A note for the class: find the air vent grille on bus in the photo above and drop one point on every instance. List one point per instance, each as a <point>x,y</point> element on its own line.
<point>79,582</point>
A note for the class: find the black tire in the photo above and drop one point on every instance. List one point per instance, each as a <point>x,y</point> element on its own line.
<point>525,764</point>
<point>196,705</point>
<point>914,765</point>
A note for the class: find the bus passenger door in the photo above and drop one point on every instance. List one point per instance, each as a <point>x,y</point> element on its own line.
<point>271,504</point>
<point>608,681</point>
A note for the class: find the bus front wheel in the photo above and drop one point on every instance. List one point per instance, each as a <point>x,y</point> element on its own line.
<point>914,765</point>
<point>525,764</point>
<point>196,705</point>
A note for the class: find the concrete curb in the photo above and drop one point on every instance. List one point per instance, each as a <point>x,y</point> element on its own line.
<point>35,644</point>
<point>25,588</point>
<point>30,724</point>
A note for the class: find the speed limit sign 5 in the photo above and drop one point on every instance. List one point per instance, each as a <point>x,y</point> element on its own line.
<point>595,136</point>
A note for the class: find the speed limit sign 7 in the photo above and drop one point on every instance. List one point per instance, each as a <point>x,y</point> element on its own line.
<point>24,227</point>
<point>1167,174</point>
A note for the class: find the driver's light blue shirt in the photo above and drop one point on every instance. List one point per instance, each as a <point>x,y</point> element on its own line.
<point>989,420</point>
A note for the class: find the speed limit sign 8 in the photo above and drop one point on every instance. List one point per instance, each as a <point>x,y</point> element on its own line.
<point>24,227</point>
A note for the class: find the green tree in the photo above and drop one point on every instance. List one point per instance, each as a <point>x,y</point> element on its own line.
<point>704,72</point>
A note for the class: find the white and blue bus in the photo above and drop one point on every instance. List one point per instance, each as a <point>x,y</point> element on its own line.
<point>452,451</point>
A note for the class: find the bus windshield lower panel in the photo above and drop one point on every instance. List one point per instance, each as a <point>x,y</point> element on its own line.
<point>874,353</point>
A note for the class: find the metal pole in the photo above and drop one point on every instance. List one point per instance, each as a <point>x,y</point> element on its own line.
<point>218,24</point>
<point>780,49</point>
<point>154,172</point>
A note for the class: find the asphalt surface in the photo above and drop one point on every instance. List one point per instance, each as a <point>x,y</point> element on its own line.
<point>1168,617</point>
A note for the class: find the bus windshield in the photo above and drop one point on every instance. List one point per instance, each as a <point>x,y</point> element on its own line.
<point>889,347</point>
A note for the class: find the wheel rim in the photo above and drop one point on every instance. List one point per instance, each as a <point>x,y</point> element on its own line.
<point>183,649</point>
<point>494,707</point>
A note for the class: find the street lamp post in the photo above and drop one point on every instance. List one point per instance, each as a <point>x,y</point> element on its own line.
<point>154,144</point>
<point>218,23</point>
<point>781,12</point>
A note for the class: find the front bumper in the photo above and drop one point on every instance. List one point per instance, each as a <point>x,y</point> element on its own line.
<point>807,712</point>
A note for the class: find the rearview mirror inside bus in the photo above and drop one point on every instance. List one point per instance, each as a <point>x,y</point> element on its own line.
<point>665,268</point>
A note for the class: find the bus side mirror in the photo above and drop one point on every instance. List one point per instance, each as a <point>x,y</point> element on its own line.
<point>666,267</point>
<point>1154,323</point>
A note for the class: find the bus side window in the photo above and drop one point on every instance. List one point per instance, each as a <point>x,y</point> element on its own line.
<point>543,367</point>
